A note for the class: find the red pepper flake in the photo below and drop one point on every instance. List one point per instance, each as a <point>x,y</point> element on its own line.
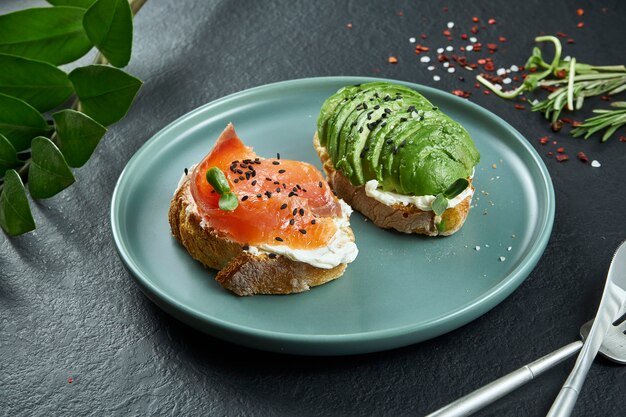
<point>462,49</point>
<point>70,380</point>
<point>420,48</point>
<point>476,85</point>
<point>442,58</point>
<point>464,36</point>
<point>543,140</point>
<point>570,40</point>
<point>566,120</point>
<point>489,66</point>
<point>423,36</point>
<point>475,19</point>
<point>605,98</point>
<point>482,61</point>
<point>583,157</point>
<point>461,93</point>
<point>492,46</point>
<point>486,92</point>
<point>502,39</point>
<point>575,123</point>
<point>392,60</point>
<point>554,142</point>
<point>478,46</point>
<point>550,153</point>
<point>561,73</point>
<point>519,106</point>
<point>491,21</point>
<point>515,78</point>
<point>561,150</point>
<point>474,29</point>
<point>449,38</point>
<point>349,25</point>
<point>580,25</point>
<point>562,157</point>
<point>580,12</point>
<point>562,34</point>
<point>446,32</point>
<point>622,138</point>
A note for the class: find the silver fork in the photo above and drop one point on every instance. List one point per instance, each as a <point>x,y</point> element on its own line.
<point>613,346</point>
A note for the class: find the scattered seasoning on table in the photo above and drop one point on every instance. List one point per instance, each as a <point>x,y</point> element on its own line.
<point>502,259</point>
<point>595,164</point>
<point>580,12</point>
<point>583,157</point>
<point>349,25</point>
<point>580,25</point>
<point>562,157</point>
<point>70,380</point>
<point>392,60</point>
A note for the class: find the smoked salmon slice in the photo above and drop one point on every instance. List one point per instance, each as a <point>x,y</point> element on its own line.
<point>281,202</point>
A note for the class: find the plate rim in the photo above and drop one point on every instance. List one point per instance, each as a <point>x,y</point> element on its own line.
<point>345,343</point>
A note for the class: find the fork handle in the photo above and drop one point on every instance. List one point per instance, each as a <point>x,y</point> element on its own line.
<point>497,389</point>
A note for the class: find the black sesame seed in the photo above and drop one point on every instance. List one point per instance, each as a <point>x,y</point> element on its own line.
<point>313,221</point>
<point>376,107</point>
<point>301,212</point>
<point>361,129</point>
<point>278,238</point>
<point>284,206</point>
<point>186,171</point>
<point>295,211</point>
<point>276,183</point>
<point>362,154</point>
<point>295,190</point>
<point>244,198</point>
<point>298,186</point>
<point>389,141</point>
<point>245,247</point>
<point>354,123</point>
<point>236,180</point>
<point>292,221</point>
<point>277,155</point>
<point>254,182</point>
<point>241,178</point>
<point>268,194</point>
<point>403,119</point>
<point>247,175</point>
<point>254,173</point>
<point>275,163</point>
<point>303,231</point>
<point>281,171</point>
<point>268,179</point>
<point>435,108</point>
<point>278,189</point>
<point>272,255</point>
<point>376,95</point>
<point>259,195</point>
<point>238,171</point>
<point>320,184</point>
<point>388,111</point>
<point>291,194</point>
<point>364,106</point>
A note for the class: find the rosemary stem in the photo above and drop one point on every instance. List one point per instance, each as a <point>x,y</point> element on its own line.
<point>496,91</point>
<point>570,85</point>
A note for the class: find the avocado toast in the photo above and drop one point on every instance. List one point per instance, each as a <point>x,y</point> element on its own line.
<point>396,158</point>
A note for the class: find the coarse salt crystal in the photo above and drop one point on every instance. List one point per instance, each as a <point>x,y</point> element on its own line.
<point>425,59</point>
<point>595,164</point>
<point>446,64</point>
<point>473,39</point>
<point>451,70</point>
<point>498,86</point>
<point>502,259</point>
<point>469,48</point>
<point>450,25</point>
<point>440,50</point>
<point>477,248</point>
<point>412,40</point>
<point>449,48</point>
<point>506,81</point>
<point>436,77</point>
<point>514,68</point>
<point>509,248</point>
<point>431,67</point>
<point>501,71</point>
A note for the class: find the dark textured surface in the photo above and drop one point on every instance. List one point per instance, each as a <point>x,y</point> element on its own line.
<point>68,309</point>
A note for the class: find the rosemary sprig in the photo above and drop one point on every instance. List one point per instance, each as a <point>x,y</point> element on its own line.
<point>573,83</point>
<point>611,120</point>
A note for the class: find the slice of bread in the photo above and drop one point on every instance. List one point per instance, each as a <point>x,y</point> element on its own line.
<point>405,219</point>
<point>240,271</point>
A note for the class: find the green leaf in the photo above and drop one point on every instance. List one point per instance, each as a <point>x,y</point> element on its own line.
<point>456,188</point>
<point>20,122</point>
<point>105,93</point>
<point>83,4</point>
<point>40,84</point>
<point>218,181</point>
<point>48,174</point>
<point>51,34</point>
<point>228,201</point>
<point>78,136</point>
<point>8,156</point>
<point>15,215</point>
<point>109,26</point>
<point>439,204</point>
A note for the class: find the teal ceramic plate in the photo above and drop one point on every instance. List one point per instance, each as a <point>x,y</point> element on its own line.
<point>401,289</point>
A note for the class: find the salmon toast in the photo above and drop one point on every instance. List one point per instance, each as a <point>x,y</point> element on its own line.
<point>268,225</point>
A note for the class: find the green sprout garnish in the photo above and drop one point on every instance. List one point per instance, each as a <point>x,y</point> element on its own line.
<point>228,200</point>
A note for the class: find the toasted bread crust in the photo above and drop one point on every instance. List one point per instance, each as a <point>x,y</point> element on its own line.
<point>405,219</point>
<point>239,271</point>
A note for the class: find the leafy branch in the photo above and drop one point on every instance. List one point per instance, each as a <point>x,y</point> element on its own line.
<point>40,140</point>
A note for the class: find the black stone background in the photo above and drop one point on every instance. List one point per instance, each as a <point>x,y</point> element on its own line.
<point>68,309</point>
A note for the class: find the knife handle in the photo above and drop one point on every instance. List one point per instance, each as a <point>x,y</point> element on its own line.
<point>497,389</point>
